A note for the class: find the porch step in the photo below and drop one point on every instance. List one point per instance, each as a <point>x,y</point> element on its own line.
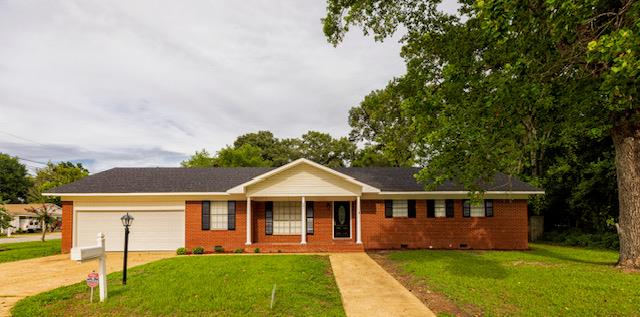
<point>284,247</point>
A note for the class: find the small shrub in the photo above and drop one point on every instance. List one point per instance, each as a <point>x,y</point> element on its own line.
<point>197,250</point>
<point>256,250</point>
<point>218,249</point>
<point>238,250</point>
<point>181,251</point>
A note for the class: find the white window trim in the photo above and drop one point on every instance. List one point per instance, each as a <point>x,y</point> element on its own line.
<point>440,208</point>
<point>397,214</point>
<point>294,208</point>
<point>218,209</point>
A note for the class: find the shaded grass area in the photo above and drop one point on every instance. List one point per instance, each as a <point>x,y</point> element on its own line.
<point>27,250</point>
<point>546,281</point>
<point>204,285</point>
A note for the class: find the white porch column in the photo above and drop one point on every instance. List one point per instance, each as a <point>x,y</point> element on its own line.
<point>248,221</point>
<point>358,222</point>
<point>303,221</point>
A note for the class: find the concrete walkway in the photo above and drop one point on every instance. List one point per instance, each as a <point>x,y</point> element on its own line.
<point>20,279</point>
<point>368,290</point>
<point>16,238</point>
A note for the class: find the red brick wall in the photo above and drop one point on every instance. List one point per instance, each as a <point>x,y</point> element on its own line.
<point>507,229</point>
<point>67,226</point>
<point>229,239</point>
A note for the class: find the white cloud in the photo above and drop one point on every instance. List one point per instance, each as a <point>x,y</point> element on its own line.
<point>98,80</point>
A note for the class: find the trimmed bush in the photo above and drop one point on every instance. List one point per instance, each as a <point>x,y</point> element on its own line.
<point>238,250</point>
<point>218,249</point>
<point>181,251</point>
<point>197,250</point>
<point>256,250</point>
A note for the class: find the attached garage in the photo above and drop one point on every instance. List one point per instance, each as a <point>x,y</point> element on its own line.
<point>152,230</point>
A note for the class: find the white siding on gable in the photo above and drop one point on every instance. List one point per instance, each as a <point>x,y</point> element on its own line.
<point>304,180</point>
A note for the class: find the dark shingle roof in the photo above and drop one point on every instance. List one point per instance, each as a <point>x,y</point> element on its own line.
<point>177,179</point>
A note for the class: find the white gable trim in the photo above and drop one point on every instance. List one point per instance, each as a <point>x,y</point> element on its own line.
<point>241,189</point>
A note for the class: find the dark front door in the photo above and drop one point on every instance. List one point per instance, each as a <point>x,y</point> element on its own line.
<point>341,219</point>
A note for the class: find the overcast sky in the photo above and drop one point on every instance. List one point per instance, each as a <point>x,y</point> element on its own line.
<point>146,83</point>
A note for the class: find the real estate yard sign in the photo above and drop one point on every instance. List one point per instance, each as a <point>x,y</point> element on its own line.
<point>92,281</point>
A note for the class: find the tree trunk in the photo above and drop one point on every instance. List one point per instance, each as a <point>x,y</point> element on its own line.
<point>44,229</point>
<point>626,139</point>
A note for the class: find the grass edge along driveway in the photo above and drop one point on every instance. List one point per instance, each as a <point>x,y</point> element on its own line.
<point>27,250</point>
<point>204,285</point>
<point>545,281</point>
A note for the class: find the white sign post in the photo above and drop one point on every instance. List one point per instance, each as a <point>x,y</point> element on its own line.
<point>83,254</point>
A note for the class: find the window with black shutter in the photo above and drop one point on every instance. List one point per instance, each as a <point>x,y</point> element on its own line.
<point>206,215</point>
<point>431,208</point>
<point>488,208</point>
<point>411,208</point>
<point>268,212</point>
<point>388,208</point>
<point>310,206</point>
<point>231,213</point>
<point>466,208</point>
<point>449,208</point>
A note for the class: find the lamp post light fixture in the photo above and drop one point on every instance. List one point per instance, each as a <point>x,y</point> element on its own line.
<point>127,220</point>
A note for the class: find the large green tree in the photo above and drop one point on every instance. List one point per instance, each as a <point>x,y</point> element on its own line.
<point>386,129</point>
<point>14,181</point>
<point>512,80</point>
<point>263,149</point>
<point>54,175</point>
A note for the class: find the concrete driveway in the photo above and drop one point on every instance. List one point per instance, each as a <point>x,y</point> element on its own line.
<point>20,279</point>
<point>30,237</point>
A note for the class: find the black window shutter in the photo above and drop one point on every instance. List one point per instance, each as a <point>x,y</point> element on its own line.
<point>431,208</point>
<point>231,214</point>
<point>411,208</point>
<point>309,217</point>
<point>388,208</point>
<point>488,208</point>
<point>206,215</point>
<point>466,208</point>
<point>448,205</point>
<point>268,213</point>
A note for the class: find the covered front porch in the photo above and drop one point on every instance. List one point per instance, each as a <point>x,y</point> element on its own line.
<point>303,224</point>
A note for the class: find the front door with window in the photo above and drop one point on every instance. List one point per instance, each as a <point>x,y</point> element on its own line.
<point>341,219</point>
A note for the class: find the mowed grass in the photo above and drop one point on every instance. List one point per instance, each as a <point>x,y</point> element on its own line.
<point>27,250</point>
<point>546,281</point>
<point>204,286</point>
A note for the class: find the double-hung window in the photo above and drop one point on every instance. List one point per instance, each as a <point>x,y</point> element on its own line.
<point>218,215</point>
<point>400,208</point>
<point>440,208</point>
<point>286,217</point>
<point>481,208</point>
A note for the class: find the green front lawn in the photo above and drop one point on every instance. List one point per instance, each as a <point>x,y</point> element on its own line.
<point>27,250</point>
<point>546,281</point>
<point>204,285</point>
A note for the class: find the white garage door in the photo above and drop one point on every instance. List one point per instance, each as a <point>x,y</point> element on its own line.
<point>151,230</point>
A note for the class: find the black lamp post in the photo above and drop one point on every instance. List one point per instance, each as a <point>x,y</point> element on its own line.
<point>127,220</point>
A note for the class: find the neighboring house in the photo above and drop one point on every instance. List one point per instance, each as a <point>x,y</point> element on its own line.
<point>26,221</point>
<point>301,206</point>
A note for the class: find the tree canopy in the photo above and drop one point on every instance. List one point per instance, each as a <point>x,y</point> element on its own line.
<point>263,149</point>
<point>515,86</point>
<point>54,175</point>
<point>14,181</point>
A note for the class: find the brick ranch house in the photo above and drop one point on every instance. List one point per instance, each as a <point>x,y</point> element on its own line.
<point>301,206</point>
